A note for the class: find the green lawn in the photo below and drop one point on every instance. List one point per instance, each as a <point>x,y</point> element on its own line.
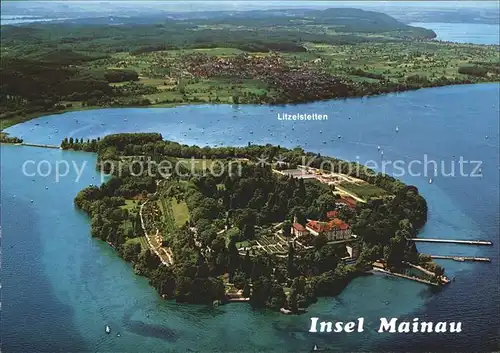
<point>365,191</point>
<point>130,205</point>
<point>180,212</point>
<point>139,240</point>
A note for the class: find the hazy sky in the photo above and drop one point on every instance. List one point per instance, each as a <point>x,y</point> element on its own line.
<point>119,7</point>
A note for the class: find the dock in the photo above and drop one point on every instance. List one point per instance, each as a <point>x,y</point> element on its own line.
<point>461,258</point>
<point>412,278</point>
<point>38,145</point>
<point>238,300</point>
<point>466,242</point>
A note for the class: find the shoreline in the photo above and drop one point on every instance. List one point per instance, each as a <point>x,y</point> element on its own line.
<point>16,120</point>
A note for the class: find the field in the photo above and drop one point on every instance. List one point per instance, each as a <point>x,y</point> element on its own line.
<point>140,240</point>
<point>130,205</point>
<point>180,212</point>
<point>365,191</point>
<point>363,62</point>
<point>401,60</point>
<point>263,59</point>
<point>174,213</point>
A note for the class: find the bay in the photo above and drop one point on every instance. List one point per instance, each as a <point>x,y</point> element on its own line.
<point>475,33</point>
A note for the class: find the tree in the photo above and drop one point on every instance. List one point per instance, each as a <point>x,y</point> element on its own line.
<point>287,228</point>
<point>291,262</point>
<point>438,271</point>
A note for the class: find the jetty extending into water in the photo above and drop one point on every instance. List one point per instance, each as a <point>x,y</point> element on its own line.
<point>413,278</point>
<point>38,145</point>
<point>461,258</point>
<point>467,242</point>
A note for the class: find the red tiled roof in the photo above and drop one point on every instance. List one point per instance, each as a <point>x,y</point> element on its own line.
<point>318,226</point>
<point>332,214</point>
<point>299,227</point>
<point>339,224</point>
<point>335,224</point>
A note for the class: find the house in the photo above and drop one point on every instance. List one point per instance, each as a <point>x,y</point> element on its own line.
<point>340,229</point>
<point>299,230</point>
<point>336,229</point>
<point>316,228</point>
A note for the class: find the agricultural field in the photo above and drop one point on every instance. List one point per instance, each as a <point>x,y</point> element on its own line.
<point>173,81</point>
<point>397,61</point>
<point>320,55</point>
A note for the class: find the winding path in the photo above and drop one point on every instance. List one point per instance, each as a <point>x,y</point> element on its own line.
<point>168,253</point>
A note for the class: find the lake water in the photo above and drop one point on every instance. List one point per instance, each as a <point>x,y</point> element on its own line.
<point>475,33</point>
<point>60,286</point>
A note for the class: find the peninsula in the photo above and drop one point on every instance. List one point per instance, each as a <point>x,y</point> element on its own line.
<point>215,225</point>
<point>255,57</point>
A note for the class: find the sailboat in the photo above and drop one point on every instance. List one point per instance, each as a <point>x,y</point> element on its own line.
<point>108,330</point>
<point>430,181</point>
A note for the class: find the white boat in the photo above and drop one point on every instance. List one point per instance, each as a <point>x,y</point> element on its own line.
<point>108,330</point>
<point>397,129</point>
<point>430,181</point>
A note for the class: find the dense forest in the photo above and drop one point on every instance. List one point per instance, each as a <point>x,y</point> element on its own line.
<point>234,207</point>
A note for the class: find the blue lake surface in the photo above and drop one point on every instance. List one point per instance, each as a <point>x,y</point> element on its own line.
<point>475,33</point>
<point>60,286</point>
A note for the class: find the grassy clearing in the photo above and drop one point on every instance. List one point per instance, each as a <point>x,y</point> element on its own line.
<point>167,215</point>
<point>130,205</point>
<point>180,212</point>
<point>365,191</point>
<point>138,240</point>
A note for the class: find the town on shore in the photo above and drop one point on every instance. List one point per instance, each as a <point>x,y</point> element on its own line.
<point>229,59</point>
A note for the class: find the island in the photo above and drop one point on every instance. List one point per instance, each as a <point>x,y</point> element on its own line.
<point>250,224</point>
<point>253,57</point>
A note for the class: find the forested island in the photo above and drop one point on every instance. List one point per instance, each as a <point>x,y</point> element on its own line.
<point>226,227</point>
<point>252,57</point>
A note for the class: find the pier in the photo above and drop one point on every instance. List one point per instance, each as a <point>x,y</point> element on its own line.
<point>461,258</point>
<point>412,278</point>
<point>466,242</point>
<point>38,145</point>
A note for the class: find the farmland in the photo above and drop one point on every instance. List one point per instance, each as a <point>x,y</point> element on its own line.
<point>225,59</point>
